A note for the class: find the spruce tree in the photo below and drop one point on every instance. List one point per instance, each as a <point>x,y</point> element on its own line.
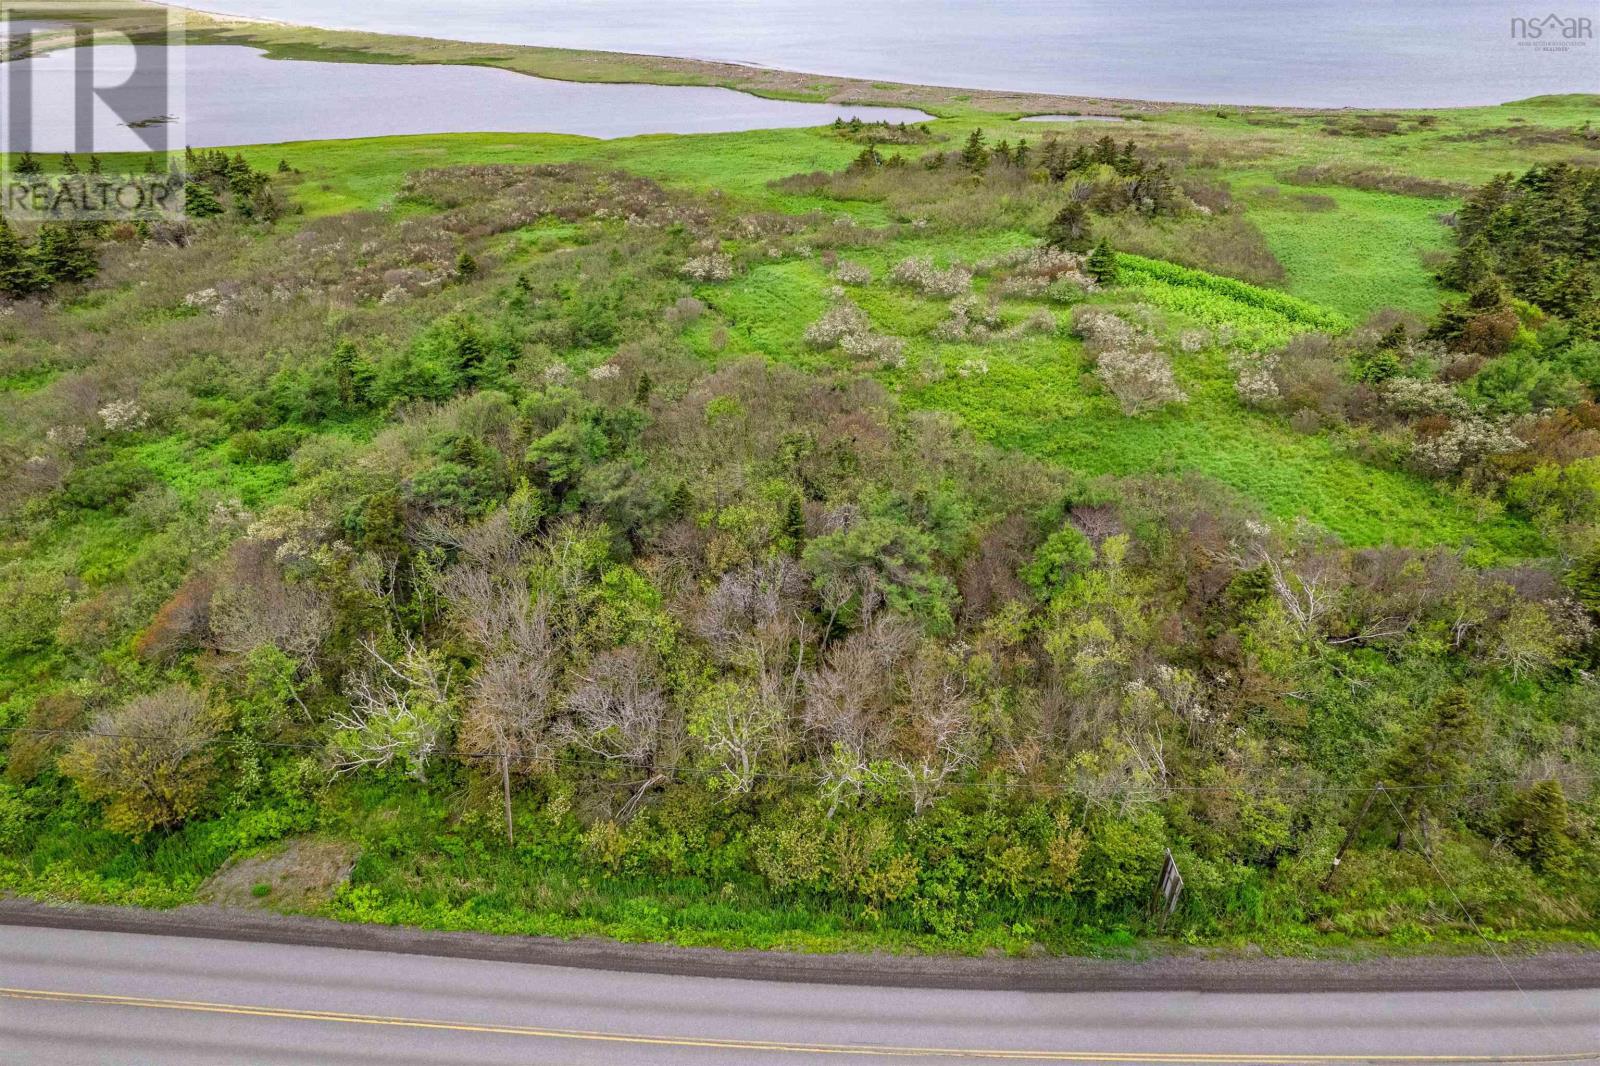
<point>793,532</point>
<point>20,274</point>
<point>69,165</point>
<point>1051,158</point>
<point>1019,155</point>
<point>1584,578</point>
<point>974,155</point>
<point>199,201</point>
<point>64,254</point>
<point>1539,818</point>
<point>867,159</point>
<point>1127,162</point>
<point>351,375</point>
<point>28,167</point>
<point>1430,763</point>
<point>1070,230</point>
<point>95,166</point>
<point>1102,263</point>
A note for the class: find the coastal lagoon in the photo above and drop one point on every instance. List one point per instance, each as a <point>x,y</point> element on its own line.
<point>235,95</point>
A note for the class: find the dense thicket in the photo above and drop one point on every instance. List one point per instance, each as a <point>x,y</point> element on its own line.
<point>455,532</point>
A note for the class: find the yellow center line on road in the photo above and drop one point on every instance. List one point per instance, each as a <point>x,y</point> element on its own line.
<point>877,1050</point>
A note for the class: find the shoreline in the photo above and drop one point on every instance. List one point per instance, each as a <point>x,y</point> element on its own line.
<point>857,82</point>
<point>285,40</point>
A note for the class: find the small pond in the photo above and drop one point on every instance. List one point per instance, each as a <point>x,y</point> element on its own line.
<point>1073,118</point>
<point>235,95</point>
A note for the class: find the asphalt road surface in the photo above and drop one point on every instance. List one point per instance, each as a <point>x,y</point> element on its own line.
<point>74,996</point>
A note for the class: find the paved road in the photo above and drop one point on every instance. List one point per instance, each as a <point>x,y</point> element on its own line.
<point>75,996</point>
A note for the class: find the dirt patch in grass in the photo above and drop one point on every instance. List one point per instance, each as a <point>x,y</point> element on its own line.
<point>302,873</point>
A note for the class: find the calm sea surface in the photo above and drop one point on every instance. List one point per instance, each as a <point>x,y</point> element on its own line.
<point>236,96</point>
<point>1358,53</point>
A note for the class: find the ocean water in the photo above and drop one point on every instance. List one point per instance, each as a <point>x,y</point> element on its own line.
<point>1322,53</point>
<point>235,95</point>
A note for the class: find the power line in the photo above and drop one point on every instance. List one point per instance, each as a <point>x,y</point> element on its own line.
<point>1427,854</point>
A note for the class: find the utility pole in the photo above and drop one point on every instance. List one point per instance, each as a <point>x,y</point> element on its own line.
<point>1350,834</point>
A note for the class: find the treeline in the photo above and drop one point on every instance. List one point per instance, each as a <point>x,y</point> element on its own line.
<point>66,250</point>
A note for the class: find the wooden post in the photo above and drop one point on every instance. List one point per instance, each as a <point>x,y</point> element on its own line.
<point>1168,889</point>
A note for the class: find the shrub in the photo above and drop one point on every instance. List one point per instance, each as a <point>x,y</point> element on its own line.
<point>842,320</point>
<point>919,272</point>
<point>1141,381</point>
<point>150,760</point>
<point>848,273</point>
<point>713,266</point>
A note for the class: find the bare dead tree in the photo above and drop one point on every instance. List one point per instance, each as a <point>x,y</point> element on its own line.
<point>398,710</point>
<point>619,713</point>
<point>253,606</point>
<point>512,710</point>
<point>941,729</point>
<point>1308,580</point>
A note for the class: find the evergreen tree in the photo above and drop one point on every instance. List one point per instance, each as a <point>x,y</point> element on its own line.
<point>1105,151</point>
<point>64,254</point>
<point>1127,162</point>
<point>466,266</point>
<point>69,165</point>
<point>95,166</point>
<point>199,201</point>
<point>974,155</point>
<point>20,274</point>
<point>793,531</point>
<point>868,158</point>
<point>1102,263</point>
<point>1470,267</point>
<point>1430,763</point>
<point>351,375</point>
<point>1584,578</point>
<point>28,167</point>
<point>1070,230</point>
<point>1019,155</point>
<point>1053,158</point>
<point>1002,154</point>
<point>1539,818</point>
